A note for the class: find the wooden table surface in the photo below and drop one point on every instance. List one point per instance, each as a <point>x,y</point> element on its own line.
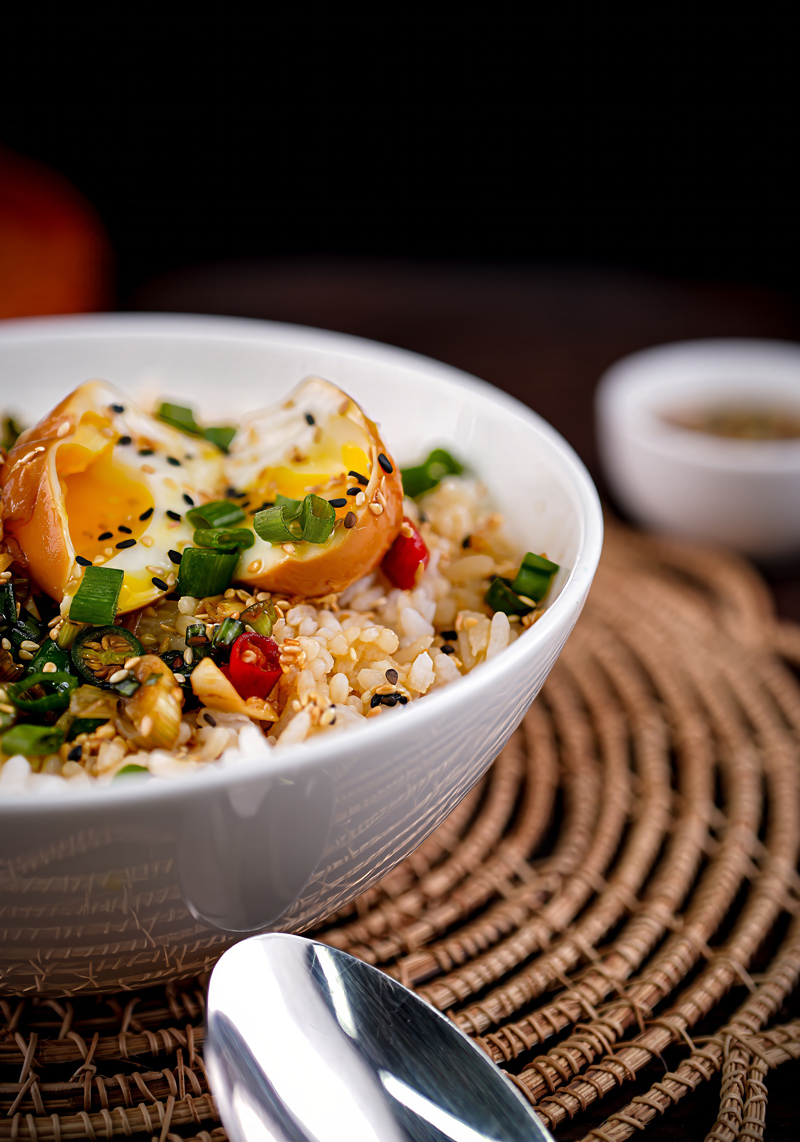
<point>544,334</point>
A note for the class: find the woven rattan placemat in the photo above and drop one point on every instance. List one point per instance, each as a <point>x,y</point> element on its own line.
<point>612,913</point>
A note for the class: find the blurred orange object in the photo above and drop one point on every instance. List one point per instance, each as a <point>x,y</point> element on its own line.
<point>55,256</point>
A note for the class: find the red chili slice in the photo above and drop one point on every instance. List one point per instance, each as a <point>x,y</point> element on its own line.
<point>254,666</point>
<point>402,561</point>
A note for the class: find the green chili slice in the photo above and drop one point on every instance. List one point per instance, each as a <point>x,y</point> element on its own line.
<point>59,685</point>
<point>427,475</point>
<point>221,539</point>
<point>84,726</point>
<point>32,741</point>
<point>96,599</point>
<point>99,652</point>
<point>218,513</point>
<point>50,651</point>
<point>204,571</point>
<point>261,617</point>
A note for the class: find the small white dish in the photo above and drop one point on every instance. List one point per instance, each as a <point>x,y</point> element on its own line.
<point>739,493</point>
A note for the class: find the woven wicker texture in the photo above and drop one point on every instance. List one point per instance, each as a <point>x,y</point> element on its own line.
<point>612,913</point>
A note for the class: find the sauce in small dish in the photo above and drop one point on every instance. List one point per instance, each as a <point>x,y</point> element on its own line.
<point>739,421</point>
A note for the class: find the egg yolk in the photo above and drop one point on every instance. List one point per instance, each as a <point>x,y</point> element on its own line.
<point>104,505</point>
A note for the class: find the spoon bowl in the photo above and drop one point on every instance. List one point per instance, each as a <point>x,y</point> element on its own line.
<point>309,1044</point>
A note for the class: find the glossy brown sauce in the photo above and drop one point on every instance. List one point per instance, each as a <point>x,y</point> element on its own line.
<point>739,421</point>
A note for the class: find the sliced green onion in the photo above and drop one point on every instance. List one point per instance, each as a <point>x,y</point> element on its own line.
<point>225,636</point>
<point>10,432</point>
<point>84,726</point>
<point>534,577</point>
<point>59,683</point>
<point>222,540</point>
<point>205,572</point>
<point>222,436</point>
<point>131,770</point>
<point>96,599</point>
<point>127,686</point>
<point>500,597</point>
<point>259,616</point>
<point>24,629</point>
<point>180,418</point>
<point>427,475</point>
<point>219,513</point>
<point>66,634</point>
<point>317,518</point>
<point>8,605</point>
<point>50,652</point>
<point>313,518</point>
<point>32,741</point>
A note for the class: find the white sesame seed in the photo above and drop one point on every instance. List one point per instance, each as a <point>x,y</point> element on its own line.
<point>360,499</point>
<point>180,677</point>
<point>118,676</point>
<point>63,428</point>
<point>26,655</point>
<point>54,633</point>
<point>172,579</point>
<point>131,662</point>
<point>29,644</point>
<point>6,645</point>
<point>99,559</point>
<point>254,567</point>
<point>49,668</point>
<point>376,509</point>
<point>147,725</point>
<point>188,656</point>
<point>148,468</point>
<point>5,575</point>
<point>289,548</point>
<point>155,569</point>
<point>146,541</point>
<point>108,551</point>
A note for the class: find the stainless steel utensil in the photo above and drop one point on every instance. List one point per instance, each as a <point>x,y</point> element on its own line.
<point>308,1044</point>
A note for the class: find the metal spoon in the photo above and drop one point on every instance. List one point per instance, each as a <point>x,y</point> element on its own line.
<point>308,1044</point>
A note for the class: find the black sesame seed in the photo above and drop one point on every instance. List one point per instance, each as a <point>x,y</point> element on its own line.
<point>175,556</point>
<point>79,559</point>
<point>385,463</point>
<point>337,503</point>
<point>375,700</point>
<point>125,529</point>
<point>389,699</point>
<point>125,543</point>
<point>162,586</point>
<point>124,440</point>
<point>310,419</point>
<point>211,721</point>
<point>232,494</point>
<point>446,649</point>
<point>353,491</point>
<point>188,500</point>
<point>174,461</point>
<point>266,504</point>
<point>76,753</point>
<point>117,407</point>
<point>357,476</point>
<point>402,700</point>
<point>147,514</point>
<point>450,635</point>
<point>145,451</point>
<point>105,535</point>
<point>173,515</point>
<point>391,676</point>
<point>350,519</point>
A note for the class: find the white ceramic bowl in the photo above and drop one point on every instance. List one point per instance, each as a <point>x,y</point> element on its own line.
<point>125,885</point>
<point>743,494</point>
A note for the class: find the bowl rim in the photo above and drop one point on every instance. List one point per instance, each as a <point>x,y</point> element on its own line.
<point>329,749</point>
<point>631,395</point>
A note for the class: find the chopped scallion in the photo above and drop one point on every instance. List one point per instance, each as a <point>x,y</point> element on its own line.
<point>32,741</point>
<point>313,520</point>
<point>96,599</point>
<point>500,597</point>
<point>222,436</point>
<point>219,513</point>
<point>224,540</point>
<point>534,577</point>
<point>204,571</point>
<point>84,726</point>
<point>131,770</point>
<point>180,418</point>
<point>427,475</point>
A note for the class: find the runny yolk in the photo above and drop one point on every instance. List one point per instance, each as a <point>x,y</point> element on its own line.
<point>101,499</point>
